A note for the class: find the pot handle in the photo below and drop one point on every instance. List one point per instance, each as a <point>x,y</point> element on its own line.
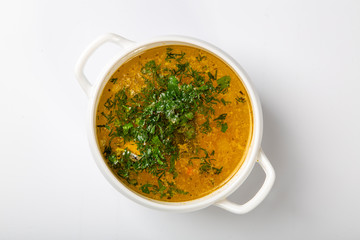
<point>79,68</point>
<point>259,196</point>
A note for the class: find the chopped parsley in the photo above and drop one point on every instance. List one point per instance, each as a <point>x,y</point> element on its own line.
<point>164,114</point>
<point>113,80</point>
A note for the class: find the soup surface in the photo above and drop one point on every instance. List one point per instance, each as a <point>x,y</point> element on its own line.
<point>174,123</point>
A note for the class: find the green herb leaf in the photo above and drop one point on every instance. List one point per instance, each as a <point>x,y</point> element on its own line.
<point>240,99</point>
<point>217,171</point>
<point>224,127</point>
<point>113,80</point>
<point>145,188</point>
<point>221,117</point>
<point>223,84</point>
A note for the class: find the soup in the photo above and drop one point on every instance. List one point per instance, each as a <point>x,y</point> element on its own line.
<point>174,123</point>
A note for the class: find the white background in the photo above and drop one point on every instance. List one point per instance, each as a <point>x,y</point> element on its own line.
<point>304,61</point>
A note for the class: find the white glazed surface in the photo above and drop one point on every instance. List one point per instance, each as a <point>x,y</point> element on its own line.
<point>219,196</point>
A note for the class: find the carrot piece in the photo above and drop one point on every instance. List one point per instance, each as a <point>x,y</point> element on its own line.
<point>189,170</point>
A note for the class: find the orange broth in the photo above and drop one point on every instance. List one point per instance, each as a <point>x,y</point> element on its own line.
<point>230,147</point>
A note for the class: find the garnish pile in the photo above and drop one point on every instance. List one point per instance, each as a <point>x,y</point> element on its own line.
<point>174,106</point>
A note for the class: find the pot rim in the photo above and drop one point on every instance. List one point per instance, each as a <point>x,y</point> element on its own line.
<point>227,188</point>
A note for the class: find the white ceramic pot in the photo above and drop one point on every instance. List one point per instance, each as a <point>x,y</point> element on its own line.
<point>217,198</point>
